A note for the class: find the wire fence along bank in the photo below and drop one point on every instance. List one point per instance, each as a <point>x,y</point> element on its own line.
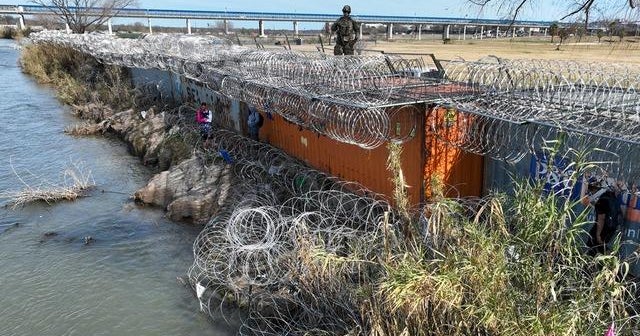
<point>253,253</point>
<point>503,107</point>
<point>514,106</point>
<point>340,97</point>
<point>301,250</point>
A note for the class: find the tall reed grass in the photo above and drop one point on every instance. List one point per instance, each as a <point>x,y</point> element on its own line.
<point>506,265</point>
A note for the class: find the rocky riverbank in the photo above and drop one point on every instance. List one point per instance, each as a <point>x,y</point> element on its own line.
<point>187,186</point>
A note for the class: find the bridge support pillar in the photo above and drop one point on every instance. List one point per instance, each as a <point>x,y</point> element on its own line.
<point>530,31</point>
<point>497,31</point>
<point>226,27</point>
<point>419,32</point>
<point>189,26</point>
<point>446,33</point>
<point>67,28</point>
<point>360,30</point>
<point>481,32</point>
<point>261,28</point>
<point>149,24</point>
<point>23,26</point>
<point>464,33</point>
<point>513,32</point>
<point>295,29</point>
<point>545,32</point>
<point>109,27</point>
<point>390,31</point>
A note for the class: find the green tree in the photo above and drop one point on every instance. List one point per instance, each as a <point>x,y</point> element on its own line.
<point>580,31</point>
<point>621,33</point>
<point>613,27</point>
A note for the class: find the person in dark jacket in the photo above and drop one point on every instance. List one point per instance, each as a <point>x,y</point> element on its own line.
<point>254,122</point>
<point>607,219</point>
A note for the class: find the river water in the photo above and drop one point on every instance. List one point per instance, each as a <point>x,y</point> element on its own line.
<point>125,281</point>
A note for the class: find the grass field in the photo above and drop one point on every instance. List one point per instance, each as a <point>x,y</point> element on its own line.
<point>588,49</point>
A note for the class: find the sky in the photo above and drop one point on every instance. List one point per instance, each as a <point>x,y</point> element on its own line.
<point>545,10</point>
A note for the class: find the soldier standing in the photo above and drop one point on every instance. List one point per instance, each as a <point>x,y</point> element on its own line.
<point>347,31</point>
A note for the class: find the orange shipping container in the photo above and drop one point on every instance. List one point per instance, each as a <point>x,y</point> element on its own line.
<point>423,155</point>
<point>461,173</point>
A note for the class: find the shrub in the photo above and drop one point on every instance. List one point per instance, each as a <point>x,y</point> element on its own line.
<point>8,33</point>
<point>77,180</point>
<point>79,78</point>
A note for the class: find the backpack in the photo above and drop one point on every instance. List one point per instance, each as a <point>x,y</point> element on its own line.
<point>345,29</point>
<point>615,218</point>
<point>260,120</point>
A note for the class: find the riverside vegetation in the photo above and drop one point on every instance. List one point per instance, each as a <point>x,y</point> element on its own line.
<point>108,104</point>
<point>503,265</point>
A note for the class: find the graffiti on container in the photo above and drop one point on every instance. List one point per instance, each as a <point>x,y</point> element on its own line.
<point>558,175</point>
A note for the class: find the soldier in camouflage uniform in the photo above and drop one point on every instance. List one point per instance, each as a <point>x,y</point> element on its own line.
<point>347,31</point>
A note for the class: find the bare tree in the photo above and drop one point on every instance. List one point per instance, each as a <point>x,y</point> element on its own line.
<point>582,8</point>
<point>553,30</point>
<point>563,34</point>
<point>47,21</point>
<point>85,15</point>
<point>220,26</point>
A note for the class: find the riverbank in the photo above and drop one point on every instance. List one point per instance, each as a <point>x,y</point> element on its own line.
<point>305,253</point>
<point>124,281</point>
<point>162,139</point>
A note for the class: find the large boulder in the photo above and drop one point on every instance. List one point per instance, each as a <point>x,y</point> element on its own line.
<point>190,190</point>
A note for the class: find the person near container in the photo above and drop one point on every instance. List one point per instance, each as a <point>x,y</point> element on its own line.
<point>607,218</point>
<point>203,118</point>
<point>254,122</point>
<point>347,31</point>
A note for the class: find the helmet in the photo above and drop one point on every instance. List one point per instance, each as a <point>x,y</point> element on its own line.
<point>346,9</point>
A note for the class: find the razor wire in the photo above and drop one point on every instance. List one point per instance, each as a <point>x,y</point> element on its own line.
<point>256,252</point>
<point>335,96</point>
<point>513,108</point>
<point>511,141</point>
<point>510,103</point>
<point>592,98</point>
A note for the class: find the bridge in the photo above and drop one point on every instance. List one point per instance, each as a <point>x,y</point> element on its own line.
<point>261,17</point>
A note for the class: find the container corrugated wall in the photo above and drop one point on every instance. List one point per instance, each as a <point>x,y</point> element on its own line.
<point>348,162</point>
<point>459,172</point>
<point>424,156</point>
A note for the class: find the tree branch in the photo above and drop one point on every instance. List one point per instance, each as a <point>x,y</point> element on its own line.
<point>584,7</point>
<point>83,15</point>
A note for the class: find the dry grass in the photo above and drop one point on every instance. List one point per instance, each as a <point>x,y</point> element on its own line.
<point>510,265</point>
<point>78,78</point>
<point>538,48</point>
<point>84,128</point>
<point>76,181</point>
